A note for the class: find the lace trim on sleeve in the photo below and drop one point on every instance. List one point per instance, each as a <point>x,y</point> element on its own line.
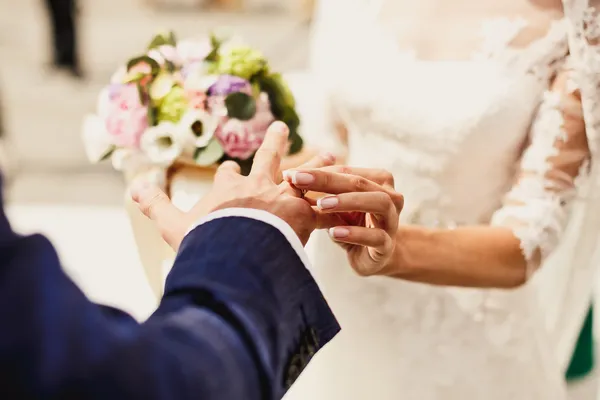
<point>537,207</point>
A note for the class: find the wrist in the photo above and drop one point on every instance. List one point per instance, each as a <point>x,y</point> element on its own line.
<point>412,243</point>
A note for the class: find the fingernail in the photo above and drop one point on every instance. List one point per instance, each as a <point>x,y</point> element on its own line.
<point>298,178</point>
<point>138,189</point>
<point>280,127</point>
<point>339,233</point>
<point>329,157</point>
<point>325,203</point>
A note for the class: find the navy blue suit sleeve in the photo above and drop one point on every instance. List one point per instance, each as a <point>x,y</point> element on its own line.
<point>277,304</point>
<point>214,335</point>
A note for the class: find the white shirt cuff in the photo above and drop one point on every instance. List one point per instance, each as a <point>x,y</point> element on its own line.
<point>263,216</point>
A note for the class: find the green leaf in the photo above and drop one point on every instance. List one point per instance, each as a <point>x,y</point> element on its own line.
<point>108,153</point>
<point>141,94</point>
<point>163,39</point>
<point>170,67</point>
<point>284,89</point>
<point>271,87</point>
<point>151,116</point>
<point>297,143</point>
<point>282,101</point>
<point>210,154</point>
<point>155,67</point>
<point>135,78</point>
<point>216,43</point>
<point>240,105</point>
<point>245,166</point>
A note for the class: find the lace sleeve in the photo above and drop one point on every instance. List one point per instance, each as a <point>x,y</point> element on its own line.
<point>551,168</point>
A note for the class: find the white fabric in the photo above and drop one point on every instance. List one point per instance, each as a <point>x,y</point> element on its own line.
<point>453,132</point>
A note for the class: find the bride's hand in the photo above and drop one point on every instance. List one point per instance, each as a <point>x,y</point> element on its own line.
<point>361,211</point>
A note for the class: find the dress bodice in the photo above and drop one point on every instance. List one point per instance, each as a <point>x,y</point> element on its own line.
<point>452,136</point>
<point>452,132</point>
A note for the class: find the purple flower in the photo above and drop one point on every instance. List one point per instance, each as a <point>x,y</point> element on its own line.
<point>227,84</point>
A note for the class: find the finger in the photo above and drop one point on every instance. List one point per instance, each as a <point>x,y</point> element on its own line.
<point>329,220</point>
<point>360,236</point>
<point>379,204</point>
<point>229,167</point>
<point>319,161</point>
<point>291,190</point>
<point>380,176</point>
<point>331,182</point>
<point>267,161</point>
<point>157,206</point>
<point>319,180</point>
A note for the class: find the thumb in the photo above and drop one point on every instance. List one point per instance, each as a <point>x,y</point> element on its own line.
<point>157,206</point>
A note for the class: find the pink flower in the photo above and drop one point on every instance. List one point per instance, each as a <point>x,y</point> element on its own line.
<point>127,117</point>
<point>196,99</point>
<point>142,68</point>
<point>216,106</point>
<point>237,139</point>
<point>241,139</point>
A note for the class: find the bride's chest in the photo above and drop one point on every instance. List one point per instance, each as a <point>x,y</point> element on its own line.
<point>443,110</point>
<point>451,133</point>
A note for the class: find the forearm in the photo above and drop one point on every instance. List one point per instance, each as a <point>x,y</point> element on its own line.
<point>476,256</point>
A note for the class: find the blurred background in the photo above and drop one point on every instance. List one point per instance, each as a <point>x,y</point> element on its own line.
<point>52,187</point>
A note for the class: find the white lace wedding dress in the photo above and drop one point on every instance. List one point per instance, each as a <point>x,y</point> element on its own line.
<point>480,140</point>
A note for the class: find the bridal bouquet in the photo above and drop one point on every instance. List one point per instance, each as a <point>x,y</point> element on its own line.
<point>199,102</point>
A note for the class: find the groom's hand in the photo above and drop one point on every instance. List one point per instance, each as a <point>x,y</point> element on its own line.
<point>262,189</point>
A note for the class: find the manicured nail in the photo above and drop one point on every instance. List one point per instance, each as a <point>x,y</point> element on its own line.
<point>339,233</point>
<point>298,178</point>
<point>329,157</point>
<point>325,203</point>
<point>138,189</point>
<point>280,127</point>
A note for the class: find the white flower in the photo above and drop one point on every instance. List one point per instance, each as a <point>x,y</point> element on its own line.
<point>199,82</point>
<point>194,122</point>
<point>193,50</point>
<point>96,140</point>
<point>163,54</point>
<point>162,143</point>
